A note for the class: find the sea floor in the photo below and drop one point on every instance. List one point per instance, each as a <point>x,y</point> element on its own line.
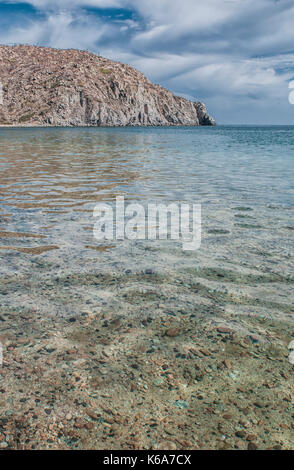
<point>155,349</point>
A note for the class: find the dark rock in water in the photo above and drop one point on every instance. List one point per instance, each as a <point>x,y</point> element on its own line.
<point>149,272</point>
<point>54,87</point>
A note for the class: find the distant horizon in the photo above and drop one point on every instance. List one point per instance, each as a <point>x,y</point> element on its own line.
<point>210,52</point>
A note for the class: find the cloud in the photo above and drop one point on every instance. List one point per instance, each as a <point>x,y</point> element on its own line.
<point>229,53</point>
<point>59,30</point>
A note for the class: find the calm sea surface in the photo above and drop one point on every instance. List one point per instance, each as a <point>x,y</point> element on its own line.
<point>51,179</point>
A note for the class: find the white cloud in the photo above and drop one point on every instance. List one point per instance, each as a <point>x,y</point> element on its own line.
<point>61,29</point>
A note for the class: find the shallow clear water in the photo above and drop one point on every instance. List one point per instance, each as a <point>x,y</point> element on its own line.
<point>51,180</point>
<point>115,300</point>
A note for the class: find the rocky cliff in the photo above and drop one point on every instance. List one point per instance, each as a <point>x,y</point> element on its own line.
<point>43,86</point>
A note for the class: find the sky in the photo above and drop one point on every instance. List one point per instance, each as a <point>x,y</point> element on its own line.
<point>237,56</point>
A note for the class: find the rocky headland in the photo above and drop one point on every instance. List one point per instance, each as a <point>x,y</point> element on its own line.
<point>52,87</point>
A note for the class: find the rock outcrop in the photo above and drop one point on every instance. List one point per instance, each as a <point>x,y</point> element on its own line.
<point>43,86</point>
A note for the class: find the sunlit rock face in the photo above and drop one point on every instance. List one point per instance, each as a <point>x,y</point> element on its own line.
<point>42,86</point>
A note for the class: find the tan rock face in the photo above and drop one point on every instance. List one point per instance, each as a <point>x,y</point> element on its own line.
<point>43,86</point>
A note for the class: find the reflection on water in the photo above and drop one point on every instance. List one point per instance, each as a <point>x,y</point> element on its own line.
<point>51,179</point>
